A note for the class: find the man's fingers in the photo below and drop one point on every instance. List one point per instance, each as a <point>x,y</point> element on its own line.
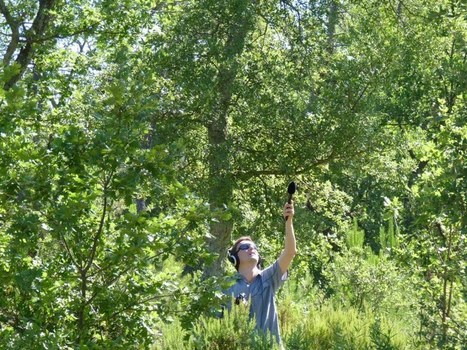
<point>288,210</point>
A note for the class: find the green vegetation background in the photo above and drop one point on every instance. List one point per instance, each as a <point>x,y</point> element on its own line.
<point>138,138</point>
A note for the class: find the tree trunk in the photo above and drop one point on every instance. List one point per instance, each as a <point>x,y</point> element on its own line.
<point>220,192</point>
<point>221,181</point>
<point>333,16</point>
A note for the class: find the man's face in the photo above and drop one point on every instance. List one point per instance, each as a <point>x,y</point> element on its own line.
<point>247,251</point>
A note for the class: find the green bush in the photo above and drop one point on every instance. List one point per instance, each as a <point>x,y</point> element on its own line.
<point>370,306</point>
<point>172,338</point>
<point>234,331</point>
<point>306,323</point>
<point>370,281</point>
<point>345,328</point>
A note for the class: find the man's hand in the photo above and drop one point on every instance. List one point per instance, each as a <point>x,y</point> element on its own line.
<point>289,211</point>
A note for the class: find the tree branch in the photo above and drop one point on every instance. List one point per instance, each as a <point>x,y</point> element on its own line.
<point>14,33</point>
<point>101,226</point>
<point>37,29</point>
<point>132,306</point>
<point>68,250</point>
<point>244,175</point>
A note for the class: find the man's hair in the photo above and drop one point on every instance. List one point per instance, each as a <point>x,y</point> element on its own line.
<point>237,242</point>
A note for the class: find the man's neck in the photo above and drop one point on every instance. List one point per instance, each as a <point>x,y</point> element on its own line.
<point>249,272</point>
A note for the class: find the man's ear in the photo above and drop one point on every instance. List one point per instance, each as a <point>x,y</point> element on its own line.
<point>233,258</point>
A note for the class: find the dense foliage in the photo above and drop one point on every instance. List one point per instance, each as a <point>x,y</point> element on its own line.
<point>138,138</point>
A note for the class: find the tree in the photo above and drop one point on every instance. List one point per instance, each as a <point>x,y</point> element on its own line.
<point>80,264</point>
<point>134,131</point>
<point>257,103</point>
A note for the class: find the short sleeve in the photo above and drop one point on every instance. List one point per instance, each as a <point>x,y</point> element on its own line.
<point>272,276</point>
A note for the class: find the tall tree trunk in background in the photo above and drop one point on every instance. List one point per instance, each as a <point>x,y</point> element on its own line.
<point>221,183</point>
<point>333,16</point>
<point>220,191</point>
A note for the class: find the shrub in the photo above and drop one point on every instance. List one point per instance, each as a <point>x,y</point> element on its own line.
<point>234,331</point>
<point>345,328</point>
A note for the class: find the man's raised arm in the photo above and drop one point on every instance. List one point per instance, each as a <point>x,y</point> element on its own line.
<point>290,248</point>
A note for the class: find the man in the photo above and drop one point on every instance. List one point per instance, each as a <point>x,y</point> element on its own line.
<point>257,287</point>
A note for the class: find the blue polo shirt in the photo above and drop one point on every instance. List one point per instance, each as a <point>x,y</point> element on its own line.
<point>261,295</point>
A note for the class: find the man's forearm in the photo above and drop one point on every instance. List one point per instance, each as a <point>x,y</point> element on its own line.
<point>290,248</point>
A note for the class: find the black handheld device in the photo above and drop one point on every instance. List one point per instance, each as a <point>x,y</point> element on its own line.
<point>290,190</point>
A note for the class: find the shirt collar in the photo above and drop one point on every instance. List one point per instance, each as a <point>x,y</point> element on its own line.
<point>239,277</point>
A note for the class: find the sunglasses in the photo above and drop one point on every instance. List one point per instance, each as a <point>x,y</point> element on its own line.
<point>246,246</point>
